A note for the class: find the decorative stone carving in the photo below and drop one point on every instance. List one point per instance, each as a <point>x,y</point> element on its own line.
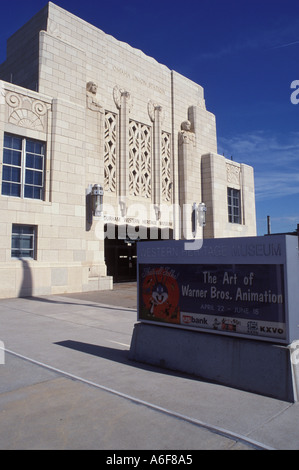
<point>24,111</point>
<point>118,94</point>
<point>151,108</point>
<point>2,93</point>
<point>166,167</point>
<point>186,136</point>
<point>53,30</point>
<point>139,159</point>
<point>186,155</point>
<point>233,173</point>
<point>123,101</point>
<point>92,101</point>
<point>110,152</point>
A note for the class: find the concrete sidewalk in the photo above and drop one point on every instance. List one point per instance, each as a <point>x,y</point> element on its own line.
<point>67,383</point>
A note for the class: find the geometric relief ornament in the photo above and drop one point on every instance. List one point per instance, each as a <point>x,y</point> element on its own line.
<point>139,159</point>
<point>110,152</point>
<point>26,112</point>
<point>233,173</point>
<point>166,167</point>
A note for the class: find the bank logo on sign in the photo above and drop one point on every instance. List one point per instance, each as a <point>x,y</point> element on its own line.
<point>187,319</point>
<point>194,319</point>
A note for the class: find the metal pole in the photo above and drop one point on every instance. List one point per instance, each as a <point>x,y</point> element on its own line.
<point>268,225</point>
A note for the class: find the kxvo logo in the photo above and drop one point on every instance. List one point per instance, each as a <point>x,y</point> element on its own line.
<point>271,329</point>
<point>295,94</point>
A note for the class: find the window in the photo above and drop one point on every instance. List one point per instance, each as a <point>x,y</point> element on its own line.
<point>234,205</point>
<point>23,241</point>
<point>23,167</point>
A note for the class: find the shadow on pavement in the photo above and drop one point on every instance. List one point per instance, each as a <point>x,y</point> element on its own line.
<point>69,302</point>
<point>120,356</point>
<point>117,355</point>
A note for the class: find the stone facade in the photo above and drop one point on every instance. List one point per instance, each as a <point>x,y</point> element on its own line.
<point>109,115</point>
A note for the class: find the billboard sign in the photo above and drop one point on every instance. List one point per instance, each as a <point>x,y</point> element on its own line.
<point>230,286</point>
<point>243,299</point>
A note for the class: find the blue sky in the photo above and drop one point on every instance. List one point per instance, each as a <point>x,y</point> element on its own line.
<point>245,55</point>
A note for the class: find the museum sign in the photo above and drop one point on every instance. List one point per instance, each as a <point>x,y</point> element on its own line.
<point>242,287</point>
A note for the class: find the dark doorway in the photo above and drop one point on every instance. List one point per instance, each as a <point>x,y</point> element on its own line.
<point>121,252</point>
<point>121,257</point>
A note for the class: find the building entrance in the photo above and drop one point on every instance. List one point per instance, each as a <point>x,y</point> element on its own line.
<point>121,253</point>
<point>121,260</point>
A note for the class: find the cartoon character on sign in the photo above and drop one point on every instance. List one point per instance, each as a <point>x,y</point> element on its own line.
<point>160,294</point>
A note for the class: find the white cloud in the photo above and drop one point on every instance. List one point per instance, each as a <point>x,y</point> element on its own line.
<point>261,147</point>
<point>274,185</point>
<point>279,36</point>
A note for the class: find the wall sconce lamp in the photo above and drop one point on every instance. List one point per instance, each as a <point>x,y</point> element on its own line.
<point>97,194</point>
<point>198,216</point>
<point>201,214</point>
<point>157,212</point>
<point>122,207</point>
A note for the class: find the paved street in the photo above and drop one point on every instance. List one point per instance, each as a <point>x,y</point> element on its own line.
<point>67,383</point>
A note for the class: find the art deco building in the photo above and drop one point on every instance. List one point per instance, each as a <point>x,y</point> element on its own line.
<point>101,145</point>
